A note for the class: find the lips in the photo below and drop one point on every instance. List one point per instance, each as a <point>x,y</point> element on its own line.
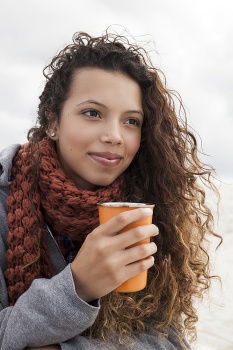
<point>105,161</point>
<point>107,155</point>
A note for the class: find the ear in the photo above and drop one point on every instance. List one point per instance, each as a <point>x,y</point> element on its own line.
<point>52,125</point>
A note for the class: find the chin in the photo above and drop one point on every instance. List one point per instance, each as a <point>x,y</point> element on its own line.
<point>105,182</point>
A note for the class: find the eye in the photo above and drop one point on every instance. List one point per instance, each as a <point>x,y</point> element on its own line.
<point>90,110</point>
<point>137,121</point>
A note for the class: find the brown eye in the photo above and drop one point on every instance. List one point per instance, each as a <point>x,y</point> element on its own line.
<point>92,111</point>
<point>137,121</point>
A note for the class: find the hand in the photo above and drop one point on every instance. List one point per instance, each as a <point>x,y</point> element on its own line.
<point>46,347</point>
<point>106,259</point>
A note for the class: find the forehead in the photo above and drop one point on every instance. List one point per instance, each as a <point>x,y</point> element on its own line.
<point>97,83</point>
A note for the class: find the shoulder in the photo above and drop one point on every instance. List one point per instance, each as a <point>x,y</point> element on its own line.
<point>3,244</point>
<point>161,341</point>
<point>3,214</point>
<point>6,156</point>
<point>3,226</point>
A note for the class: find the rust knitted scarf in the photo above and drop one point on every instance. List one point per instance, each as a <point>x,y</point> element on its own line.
<point>68,210</point>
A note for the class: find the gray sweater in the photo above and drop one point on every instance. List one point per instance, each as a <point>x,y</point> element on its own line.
<point>50,311</point>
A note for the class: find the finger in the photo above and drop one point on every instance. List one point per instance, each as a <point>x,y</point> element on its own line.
<point>137,267</point>
<point>136,234</point>
<point>138,252</point>
<point>118,222</point>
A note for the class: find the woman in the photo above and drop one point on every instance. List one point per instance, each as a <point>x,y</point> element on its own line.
<point>59,267</point>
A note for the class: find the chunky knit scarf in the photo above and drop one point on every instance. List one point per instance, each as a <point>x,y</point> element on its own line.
<point>69,211</point>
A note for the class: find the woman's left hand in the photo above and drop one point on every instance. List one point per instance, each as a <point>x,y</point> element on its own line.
<point>46,347</point>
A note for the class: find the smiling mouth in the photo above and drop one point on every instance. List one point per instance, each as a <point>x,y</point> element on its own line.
<point>105,161</point>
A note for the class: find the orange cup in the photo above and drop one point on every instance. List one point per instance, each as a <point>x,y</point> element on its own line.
<point>109,209</point>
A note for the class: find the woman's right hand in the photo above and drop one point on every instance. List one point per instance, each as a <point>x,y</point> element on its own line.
<point>104,261</point>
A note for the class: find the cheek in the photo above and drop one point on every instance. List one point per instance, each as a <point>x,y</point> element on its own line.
<point>133,145</point>
<point>75,139</point>
<point>72,147</point>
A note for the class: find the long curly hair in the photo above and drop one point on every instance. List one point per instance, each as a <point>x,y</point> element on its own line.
<point>166,171</point>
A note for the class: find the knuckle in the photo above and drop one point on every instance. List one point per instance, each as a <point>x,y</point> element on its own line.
<point>90,239</point>
<point>115,278</point>
<point>113,273</point>
<point>138,232</point>
<point>122,219</point>
<point>143,265</point>
<point>100,248</point>
<point>109,268</point>
<point>93,233</point>
<point>112,270</point>
<point>143,249</point>
<point>110,265</point>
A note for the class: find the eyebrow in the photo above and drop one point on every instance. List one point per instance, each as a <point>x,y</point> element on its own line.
<point>102,105</point>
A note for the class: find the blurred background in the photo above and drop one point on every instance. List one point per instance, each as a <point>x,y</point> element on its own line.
<point>191,43</point>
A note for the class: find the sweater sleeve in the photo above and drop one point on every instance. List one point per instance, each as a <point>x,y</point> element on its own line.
<point>49,312</point>
<point>143,341</point>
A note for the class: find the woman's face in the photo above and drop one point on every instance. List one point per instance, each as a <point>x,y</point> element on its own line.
<point>87,127</point>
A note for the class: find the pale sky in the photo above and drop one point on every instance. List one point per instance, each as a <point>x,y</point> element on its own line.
<point>190,41</point>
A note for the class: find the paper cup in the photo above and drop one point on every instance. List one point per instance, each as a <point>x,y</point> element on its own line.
<point>109,209</point>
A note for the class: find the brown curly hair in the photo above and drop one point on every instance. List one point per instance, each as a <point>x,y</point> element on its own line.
<point>165,171</point>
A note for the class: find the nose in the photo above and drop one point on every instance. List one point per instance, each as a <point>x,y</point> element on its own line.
<point>112,134</point>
